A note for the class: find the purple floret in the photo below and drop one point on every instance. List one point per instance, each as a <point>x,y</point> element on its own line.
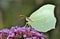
<point>19,32</point>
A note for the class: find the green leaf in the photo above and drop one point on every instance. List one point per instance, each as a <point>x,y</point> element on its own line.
<point>43,19</point>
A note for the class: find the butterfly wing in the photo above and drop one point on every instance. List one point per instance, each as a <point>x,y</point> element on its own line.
<point>43,19</point>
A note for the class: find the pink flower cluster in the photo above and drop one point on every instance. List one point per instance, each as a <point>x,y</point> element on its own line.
<point>20,32</point>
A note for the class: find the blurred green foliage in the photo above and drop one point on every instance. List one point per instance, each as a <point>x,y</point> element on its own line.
<point>11,9</point>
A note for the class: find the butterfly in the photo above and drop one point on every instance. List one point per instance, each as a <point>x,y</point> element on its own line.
<point>43,19</point>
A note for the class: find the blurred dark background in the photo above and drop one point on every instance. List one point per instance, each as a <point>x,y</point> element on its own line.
<point>11,9</point>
